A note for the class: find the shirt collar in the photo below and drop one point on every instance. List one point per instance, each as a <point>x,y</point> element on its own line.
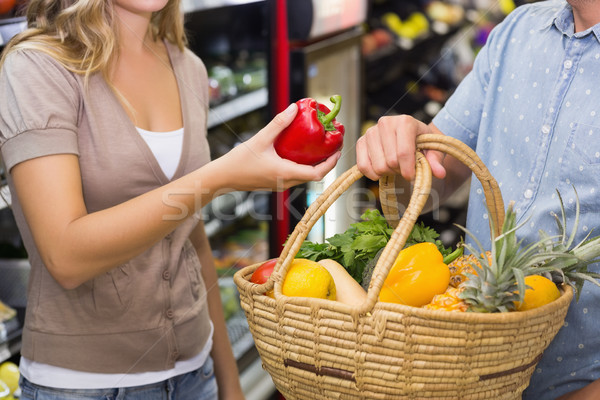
<point>562,19</point>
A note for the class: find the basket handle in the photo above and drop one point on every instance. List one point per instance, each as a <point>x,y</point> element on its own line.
<point>421,190</point>
<point>314,212</point>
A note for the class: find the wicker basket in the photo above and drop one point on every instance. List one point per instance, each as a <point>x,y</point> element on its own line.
<point>322,349</point>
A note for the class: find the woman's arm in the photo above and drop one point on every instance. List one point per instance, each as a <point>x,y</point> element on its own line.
<point>226,370</point>
<point>76,245</point>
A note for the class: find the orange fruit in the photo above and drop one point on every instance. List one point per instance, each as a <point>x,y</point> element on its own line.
<point>306,278</point>
<point>542,291</point>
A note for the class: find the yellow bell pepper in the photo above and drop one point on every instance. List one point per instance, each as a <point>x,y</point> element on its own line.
<point>418,274</point>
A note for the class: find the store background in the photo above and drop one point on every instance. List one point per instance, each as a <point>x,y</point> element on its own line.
<point>385,57</point>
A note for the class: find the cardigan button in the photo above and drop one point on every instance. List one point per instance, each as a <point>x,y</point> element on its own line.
<point>170,314</point>
<point>166,275</point>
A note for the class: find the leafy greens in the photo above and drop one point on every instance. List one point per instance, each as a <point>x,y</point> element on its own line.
<point>359,244</point>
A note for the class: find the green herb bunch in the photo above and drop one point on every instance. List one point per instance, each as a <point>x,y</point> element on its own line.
<point>361,242</point>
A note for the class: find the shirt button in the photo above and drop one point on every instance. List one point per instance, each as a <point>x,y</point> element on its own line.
<point>528,194</point>
<point>166,275</point>
<point>568,64</point>
<point>170,314</point>
<point>546,129</point>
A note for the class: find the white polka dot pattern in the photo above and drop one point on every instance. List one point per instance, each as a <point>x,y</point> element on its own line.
<point>538,132</point>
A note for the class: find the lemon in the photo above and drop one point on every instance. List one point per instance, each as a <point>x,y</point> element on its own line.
<point>542,291</point>
<point>9,374</point>
<point>306,278</point>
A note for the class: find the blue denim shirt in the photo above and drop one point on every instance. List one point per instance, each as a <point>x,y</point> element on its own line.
<point>531,109</point>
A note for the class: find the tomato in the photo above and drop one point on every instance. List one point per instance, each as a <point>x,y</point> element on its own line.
<point>262,274</point>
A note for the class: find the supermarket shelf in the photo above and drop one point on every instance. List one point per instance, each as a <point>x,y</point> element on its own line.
<point>256,382</point>
<point>237,107</point>
<point>256,204</point>
<point>189,6</point>
<point>10,27</point>
<point>239,335</point>
<point>10,339</point>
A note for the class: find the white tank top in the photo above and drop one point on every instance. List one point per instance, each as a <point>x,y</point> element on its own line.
<point>166,147</point>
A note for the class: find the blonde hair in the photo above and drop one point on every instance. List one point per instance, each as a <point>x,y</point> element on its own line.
<point>80,34</point>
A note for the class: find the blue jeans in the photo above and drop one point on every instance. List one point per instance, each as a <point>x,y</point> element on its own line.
<point>200,384</point>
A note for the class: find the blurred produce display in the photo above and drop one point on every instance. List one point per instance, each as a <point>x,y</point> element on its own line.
<point>230,298</point>
<point>246,74</point>
<point>416,52</point>
<point>6,312</point>
<point>9,381</point>
<point>245,243</point>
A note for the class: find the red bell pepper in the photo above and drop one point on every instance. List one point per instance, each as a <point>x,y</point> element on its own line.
<point>313,135</point>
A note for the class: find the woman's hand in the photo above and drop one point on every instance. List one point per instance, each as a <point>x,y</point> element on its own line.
<point>255,165</point>
<point>388,148</point>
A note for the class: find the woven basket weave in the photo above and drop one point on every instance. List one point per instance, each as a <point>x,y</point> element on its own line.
<point>322,349</point>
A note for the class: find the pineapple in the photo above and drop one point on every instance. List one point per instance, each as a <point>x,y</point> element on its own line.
<point>463,265</point>
<point>494,281</point>
<point>499,280</point>
<point>448,301</point>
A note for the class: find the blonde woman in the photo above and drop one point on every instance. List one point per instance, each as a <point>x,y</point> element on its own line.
<point>123,300</point>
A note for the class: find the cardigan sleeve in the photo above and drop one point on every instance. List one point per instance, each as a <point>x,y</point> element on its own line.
<point>39,103</point>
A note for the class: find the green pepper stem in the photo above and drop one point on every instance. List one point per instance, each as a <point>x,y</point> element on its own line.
<point>337,105</point>
<point>454,255</point>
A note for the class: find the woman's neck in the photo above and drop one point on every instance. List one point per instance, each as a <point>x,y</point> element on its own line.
<point>133,30</point>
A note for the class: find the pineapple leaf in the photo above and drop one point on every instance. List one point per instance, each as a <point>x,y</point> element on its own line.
<point>520,278</point>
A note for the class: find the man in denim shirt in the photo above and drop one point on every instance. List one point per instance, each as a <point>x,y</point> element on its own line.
<point>531,110</point>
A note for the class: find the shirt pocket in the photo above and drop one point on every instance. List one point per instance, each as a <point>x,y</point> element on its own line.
<point>580,165</point>
<point>108,295</point>
<point>584,143</point>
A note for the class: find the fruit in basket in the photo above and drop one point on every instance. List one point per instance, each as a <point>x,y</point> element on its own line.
<point>448,301</point>
<point>463,265</point>
<point>359,247</point>
<point>314,134</point>
<point>262,274</point>
<point>540,291</point>
<point>348,291</point>
<point>307,278</point>
<point>418,274</point>
<point>499,282</point>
